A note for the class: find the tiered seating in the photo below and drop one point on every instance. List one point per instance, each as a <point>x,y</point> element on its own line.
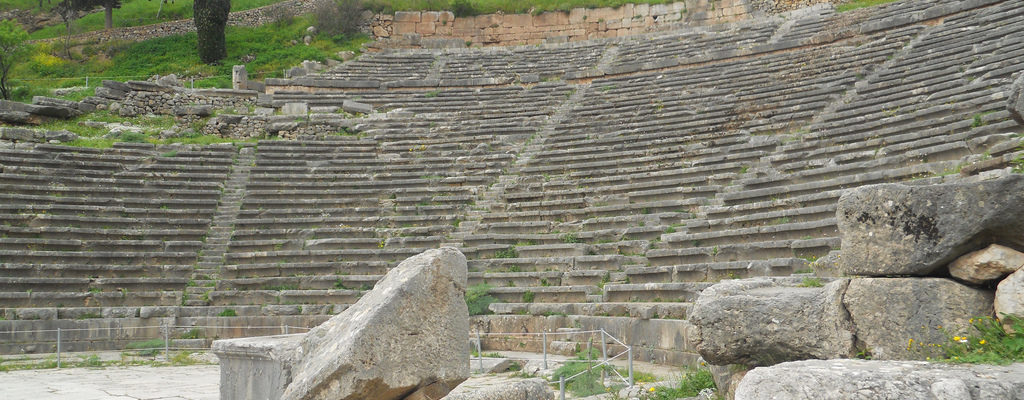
<point>606,178</point>
<point>84,229</point>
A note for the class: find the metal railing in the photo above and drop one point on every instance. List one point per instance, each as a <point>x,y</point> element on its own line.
<point>604,364</point>
<point>165,336</point>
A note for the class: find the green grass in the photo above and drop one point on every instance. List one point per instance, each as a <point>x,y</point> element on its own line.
<point>477,299</point>
<point>493,6</point>
<point>990,343</point>
<point>690,385</point>
<point>266,51</point>
<point>853,5</point>
<point>131,13</point>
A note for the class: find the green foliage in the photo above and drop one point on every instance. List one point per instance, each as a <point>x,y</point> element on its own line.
<point>507,253</point>
<point>229,312</point>
<point>131,13</point>
<point>193,333</point>
<point>528,296</point>
<point>690,385</point>
<point>464,8</point>
<point>147,348</point>
<point>571,238</point>
<point>853,5</point>
<point>587,384</point>
<point>339,17</point>
<point>12,49</point>
<point>810,282</point>
<point>477,299</point>
<point>211,18</point>
<point>991,344</point>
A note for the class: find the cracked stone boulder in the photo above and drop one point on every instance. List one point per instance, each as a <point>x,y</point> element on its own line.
<point>905,318</point>
<point>409,335</point>
<point>863,379</point>
<point>1015,102</point>
<point>764,321</point>
<point>895,229</point>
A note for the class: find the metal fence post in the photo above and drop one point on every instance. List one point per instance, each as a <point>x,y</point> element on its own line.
<point>87,81</point>
<point>167,341</point>
<point>545,349</point>
<point>58,348</point>
<point>479,352</point>
<point>561,387</point>
<point>629,351</point>
<point>604,357</point>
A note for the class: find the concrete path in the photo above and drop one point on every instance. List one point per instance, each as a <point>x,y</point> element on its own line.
<point>194,382</point>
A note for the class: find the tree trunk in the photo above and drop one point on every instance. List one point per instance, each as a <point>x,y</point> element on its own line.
<point>108,17</point>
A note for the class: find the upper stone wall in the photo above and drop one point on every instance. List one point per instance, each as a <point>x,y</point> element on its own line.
<point>578,24</point>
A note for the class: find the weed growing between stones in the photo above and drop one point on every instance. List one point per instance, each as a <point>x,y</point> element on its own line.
<point>992,344</point>
<point>477,299</point>
<point>690,385</point>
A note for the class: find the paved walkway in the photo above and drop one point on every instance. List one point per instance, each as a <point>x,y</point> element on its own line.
<point>194,382</point>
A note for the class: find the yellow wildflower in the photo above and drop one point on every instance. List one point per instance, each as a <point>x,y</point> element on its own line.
<point>982,341</point>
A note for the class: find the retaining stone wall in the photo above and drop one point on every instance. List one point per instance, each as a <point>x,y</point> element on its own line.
<point>163,103</point>
<point>578,24</point>
<point>781,6</point>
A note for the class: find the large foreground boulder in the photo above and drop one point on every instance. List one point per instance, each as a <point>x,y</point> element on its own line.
<point>861,379</point>
<point>410,334</point>
<point>764,321</point>
<point>907,318</point>
<point>895,229</point>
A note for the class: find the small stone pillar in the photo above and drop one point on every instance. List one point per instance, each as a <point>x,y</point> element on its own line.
<point>239,78</point>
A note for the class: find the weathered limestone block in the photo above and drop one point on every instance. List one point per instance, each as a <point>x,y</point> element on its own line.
<point>764,321</point>
<point>1015,103</point>
<point>862,379</point>
<point>356,107</point>
<point>988,264</point>
<point>895,229</point>
<point>890,312</point>
<point>239,77</point>
<point>1010,296</point>
<point>411,331</point>
<point>528,389</point>
<point>409,334</point>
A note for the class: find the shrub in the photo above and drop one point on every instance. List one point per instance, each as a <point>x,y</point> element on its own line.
<point>507,253</point>
<point>464,8</point>
<point>477,299</point>
<point>211,19</point>
<point>230,312</point>
<point>339,17</point>
<point>528,296</point>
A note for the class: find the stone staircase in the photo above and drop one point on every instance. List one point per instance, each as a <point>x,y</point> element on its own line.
<point>211,256</point>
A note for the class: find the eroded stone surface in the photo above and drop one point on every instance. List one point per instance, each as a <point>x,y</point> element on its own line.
<point>988,264</point>
<point>888,313</point>
<point>765,321</point>
<point>863,379</point>
<point>528,389</point>
<point>1015,103</point>
<point>410,332</point>
<point>1009,297</point>
<point>895,229</point>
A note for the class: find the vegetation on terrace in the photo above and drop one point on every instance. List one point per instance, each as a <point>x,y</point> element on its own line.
<point>266,51</point>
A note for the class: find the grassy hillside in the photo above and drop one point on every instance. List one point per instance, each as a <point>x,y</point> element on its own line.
<point>135,13</point>
<point>266,51</point>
